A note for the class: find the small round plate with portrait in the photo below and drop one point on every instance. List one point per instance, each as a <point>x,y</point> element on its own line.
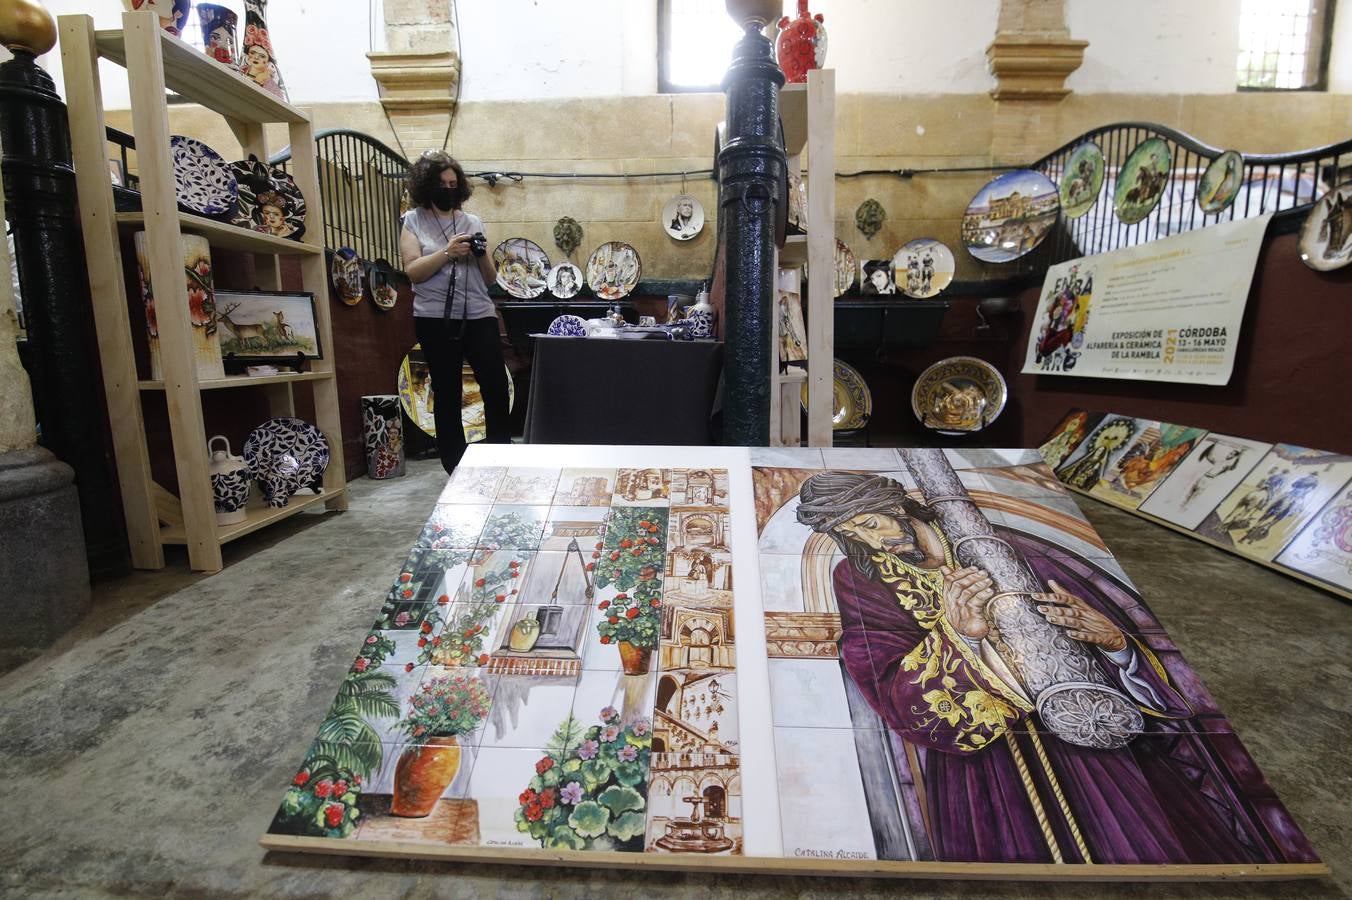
<point>564,280</point>
<point>683,217</point>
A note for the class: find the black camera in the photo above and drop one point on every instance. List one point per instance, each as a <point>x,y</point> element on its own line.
<point>478,243</point>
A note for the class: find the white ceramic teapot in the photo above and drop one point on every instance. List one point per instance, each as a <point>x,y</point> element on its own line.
<point>230,479</point>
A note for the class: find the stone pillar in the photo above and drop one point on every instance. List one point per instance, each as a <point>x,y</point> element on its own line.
<point>47,581</point>
<point>419,71</point>
<point>39,188</point>
<point>1031,57</point>
<point>750,166</point>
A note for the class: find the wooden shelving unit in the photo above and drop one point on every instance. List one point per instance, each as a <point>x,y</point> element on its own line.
<point>808,112</point>
<point>156,61</point>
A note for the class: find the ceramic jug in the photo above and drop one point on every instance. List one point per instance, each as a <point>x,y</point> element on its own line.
<point>229,482</point>
<point>219,25</point>
<point>801,45</point>
<point>700,319</point>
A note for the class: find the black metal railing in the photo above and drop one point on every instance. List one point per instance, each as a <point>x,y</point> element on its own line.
<point>1282,183</point>
<point>361,186</point>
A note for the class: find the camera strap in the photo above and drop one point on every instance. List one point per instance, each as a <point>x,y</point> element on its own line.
<point>449,305</point>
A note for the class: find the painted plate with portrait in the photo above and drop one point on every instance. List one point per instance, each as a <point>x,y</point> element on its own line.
<point>203,181</point>
<point>923,268</point>
<point>1082,180</point>
<point>851,401</point>
<point>845,268</point>
<point>613,270</point>
<point>1326,236</point>
<point>1140,184</point>
<point>959,395</point>
<point>269,200</point>
<point>523,267</point>
<point>1010,216</point>
<point>683,217</point>
<point>875,277</point>
<point>564,280</point>
<point>1221,182</point>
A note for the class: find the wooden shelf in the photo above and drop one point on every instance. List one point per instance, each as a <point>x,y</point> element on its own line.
<point>794,251</point>
<point>230,237</point>
<point>260,516</point>
<point>793,113</point>
<point>234,381</point>
<point>197,77</point>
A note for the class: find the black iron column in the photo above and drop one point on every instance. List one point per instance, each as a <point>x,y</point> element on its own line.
<point>750,166</point>
<point>39,184</point>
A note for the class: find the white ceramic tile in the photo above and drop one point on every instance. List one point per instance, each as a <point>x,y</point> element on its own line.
<point>808,693</point>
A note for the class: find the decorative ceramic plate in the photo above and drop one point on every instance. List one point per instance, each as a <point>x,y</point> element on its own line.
<point>418,399</point>
<point>384,293</point>
<point>875,277</point>
<point>346,274</point>
<point>845,268</point>
<point>1082,180</point>
<point>958,395</point>
<point>851,402</point>
<point>564,280</point>
<point>1221,182</point>
<point>286,454</point>
<point>1010,216</point>
<point>613,270</point>
<point>797,204</point>
<point>522,268</point>
<point>204,181</point>
<point>269,201</point>
<point>568,326</point>
<point>1140,184</point>
<point>923,268</point>
<point>683,217</point>
<point>1326,236</point>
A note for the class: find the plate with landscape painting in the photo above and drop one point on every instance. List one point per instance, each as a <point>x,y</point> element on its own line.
<point>1082,180</point>
<point>1010,216</point>
<point>1140,184</point>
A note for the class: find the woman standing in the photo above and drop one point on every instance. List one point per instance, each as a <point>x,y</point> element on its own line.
<point>453,316</point>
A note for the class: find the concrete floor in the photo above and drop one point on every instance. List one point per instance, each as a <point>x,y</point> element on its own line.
<point>146,753</point>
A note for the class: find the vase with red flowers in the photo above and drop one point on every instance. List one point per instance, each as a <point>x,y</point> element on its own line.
<point>440,711</point>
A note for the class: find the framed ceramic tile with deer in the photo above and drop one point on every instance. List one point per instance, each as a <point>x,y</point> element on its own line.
<point>267,326</point>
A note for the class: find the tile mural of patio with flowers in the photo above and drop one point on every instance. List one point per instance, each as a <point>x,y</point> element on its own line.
<point>553,666</point>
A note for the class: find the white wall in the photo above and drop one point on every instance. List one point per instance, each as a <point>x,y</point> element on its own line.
<point>1155,46</point>
<point>1340,63</point>
<point>321,47</point>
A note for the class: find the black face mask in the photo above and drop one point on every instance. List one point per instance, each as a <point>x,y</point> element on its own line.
<point>443,198</point>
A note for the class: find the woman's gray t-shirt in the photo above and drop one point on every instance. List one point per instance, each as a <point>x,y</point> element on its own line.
<point>429,297</point>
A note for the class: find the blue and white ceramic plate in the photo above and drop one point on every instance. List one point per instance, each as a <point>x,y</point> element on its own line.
<point>204,181</point>
<point>568,326</point>
<point>286,454</point>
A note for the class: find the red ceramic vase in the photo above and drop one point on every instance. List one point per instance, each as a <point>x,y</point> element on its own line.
<point>801,45</point>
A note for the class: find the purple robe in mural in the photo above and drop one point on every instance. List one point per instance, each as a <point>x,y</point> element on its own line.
<point>989,767</point>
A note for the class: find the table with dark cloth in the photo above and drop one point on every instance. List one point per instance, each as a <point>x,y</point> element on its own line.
<point>620,391</point>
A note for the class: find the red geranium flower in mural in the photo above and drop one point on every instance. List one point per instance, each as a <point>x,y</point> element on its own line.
<point>198,306</point>
<point>301,777</point>
<point>544,765</point>
<point>333,814</point>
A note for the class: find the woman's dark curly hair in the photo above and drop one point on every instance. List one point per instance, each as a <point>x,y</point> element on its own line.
<point>424,177</point>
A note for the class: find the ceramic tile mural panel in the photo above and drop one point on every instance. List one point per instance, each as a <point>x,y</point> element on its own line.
<point>566,668</point>
<point>1086,466</point>
<point>1147,461</point>
<point>1203,479</point>
<point>1276,500</point>
<point>1067,435</point>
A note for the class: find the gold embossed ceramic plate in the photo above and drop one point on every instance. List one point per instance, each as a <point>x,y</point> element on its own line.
<point>851,402</point>
<point>959,395</point>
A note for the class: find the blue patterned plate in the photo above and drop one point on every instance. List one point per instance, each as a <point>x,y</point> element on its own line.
<point>286,455</point>
<point>203,180</point>
<point>568,326</point>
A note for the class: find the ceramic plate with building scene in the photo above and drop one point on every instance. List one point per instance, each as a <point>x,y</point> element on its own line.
<point>613,270</point>
<point>1010,216</point>
<point>564,280</point>
<point>845,268</point>
<point>1082,180</point>
<point>523,268</point>
<point>959,395</point>
<point>269,200</point>
<point>923,268</point>
<point>204,182</point>
<point>1140,183</point>
<point>1326,236</point>
<point>1221,181</point>
<point>346,274</point>
<point>851,400</point>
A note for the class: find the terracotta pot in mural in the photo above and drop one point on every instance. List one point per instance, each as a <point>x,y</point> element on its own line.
<point>635,659</point>
<point>257,61</point>
<point>422,775</point>
<point>801,45</point>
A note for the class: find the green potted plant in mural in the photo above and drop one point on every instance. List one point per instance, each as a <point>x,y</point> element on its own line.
<point>461,641</point>
<point>439,712</point>
<point>589,791</point>
<point>322,799</point>
<point>632,559</point>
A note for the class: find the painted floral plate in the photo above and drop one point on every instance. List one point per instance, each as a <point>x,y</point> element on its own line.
<point>613,270</point>
<point>568,326</point>
<point>958,395</point>
<point>851,401</point>
<point>269,200</point>
<point>286,454</point>
<point>203,181</point>
<point>523,268</point>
